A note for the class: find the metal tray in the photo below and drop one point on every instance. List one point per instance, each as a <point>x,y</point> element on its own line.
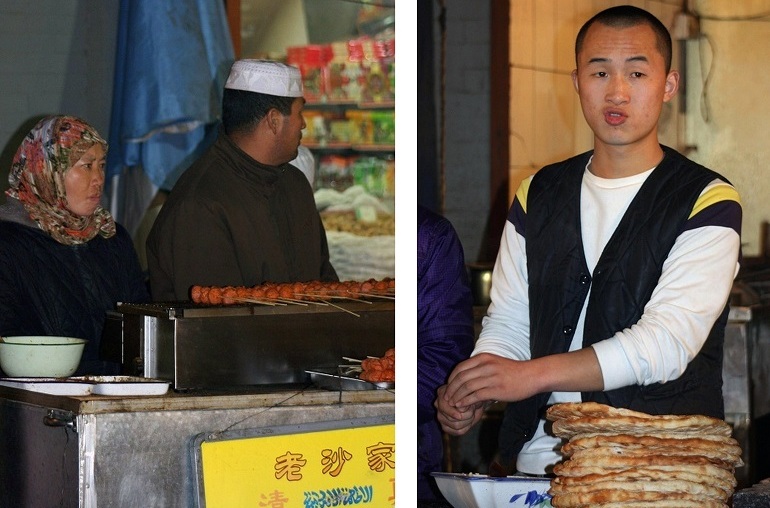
<point>125,385</point>
<point>331,380</point>
<point>90,385</point>
<point>49,385</point>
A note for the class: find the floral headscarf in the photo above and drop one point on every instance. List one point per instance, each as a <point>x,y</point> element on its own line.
<point>36,179</point>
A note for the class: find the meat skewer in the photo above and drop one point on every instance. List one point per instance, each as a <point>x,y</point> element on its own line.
<point>294,292</point>
<point>379,369</point>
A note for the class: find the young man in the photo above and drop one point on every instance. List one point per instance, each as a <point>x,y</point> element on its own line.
<point>615,267</point>
<point>241,215</point>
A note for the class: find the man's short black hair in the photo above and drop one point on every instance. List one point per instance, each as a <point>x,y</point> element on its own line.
<point>625,16</point>
<point>242,110</point>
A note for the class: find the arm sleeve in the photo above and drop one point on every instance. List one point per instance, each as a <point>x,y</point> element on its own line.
<point>11,307</point>
<point>189,260</point>
<point>505,328</point>
<point>135,284</point>
<point>693,290</point>
<point>328,273</point>
<point>445,326</point>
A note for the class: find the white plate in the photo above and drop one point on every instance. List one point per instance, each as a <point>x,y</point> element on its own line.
<point>463,490</point>
<point>126,385</point>
<point>52,386</point>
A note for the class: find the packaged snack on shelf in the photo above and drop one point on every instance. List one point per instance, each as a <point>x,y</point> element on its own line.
<point>358,78</point>
<point>376,88</point>
<point>370,173</point>
<point>334,172</point>
<point>341,76</point>
<point>316,131</point>
<point>383,127</point>
<point>311,60</point>
<point>339,130</point>
<point>390,177</point>
<point>361,126</point>
<point>385,54</point>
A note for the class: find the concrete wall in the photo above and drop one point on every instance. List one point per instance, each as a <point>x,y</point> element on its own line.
<point>466,119</point>
<point>728,103</point>
<point>55,57</point>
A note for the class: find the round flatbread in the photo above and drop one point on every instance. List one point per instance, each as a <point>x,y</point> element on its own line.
<point>635,445</point>
<point>626,462</point>
<point>680,437</point>
<point>595,497</point>
<point>570,427</point>
<point>566,410</point>
<point>673,503</point>
<point>612,450</point>
<point>568,483</point>
<point>644,487</point>
<point>707,472</point>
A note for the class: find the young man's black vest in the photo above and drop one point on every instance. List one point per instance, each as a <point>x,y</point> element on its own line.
<point>621,284</point>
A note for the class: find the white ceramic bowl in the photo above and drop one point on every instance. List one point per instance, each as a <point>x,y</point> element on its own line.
<point>481,491</point>
<point>40,356</point>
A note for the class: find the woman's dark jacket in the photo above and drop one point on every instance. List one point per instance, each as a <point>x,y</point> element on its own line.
<point>47,288</point>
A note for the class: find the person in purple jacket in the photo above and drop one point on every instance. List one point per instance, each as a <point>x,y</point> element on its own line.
<point>445,333</point>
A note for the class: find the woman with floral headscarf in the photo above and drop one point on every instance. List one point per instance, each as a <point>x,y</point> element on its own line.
<point>64,262</point>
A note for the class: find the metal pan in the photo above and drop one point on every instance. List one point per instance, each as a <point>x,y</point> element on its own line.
<point>331,380</point>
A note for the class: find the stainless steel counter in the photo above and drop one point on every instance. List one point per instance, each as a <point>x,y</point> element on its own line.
<point>736,387</point>
<point>135,451</point>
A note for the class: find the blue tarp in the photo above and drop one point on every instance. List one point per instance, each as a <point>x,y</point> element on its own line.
<point>172,60</point>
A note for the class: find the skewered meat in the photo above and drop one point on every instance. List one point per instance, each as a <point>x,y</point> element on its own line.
<point>381,369</point>
<point>308,291</point>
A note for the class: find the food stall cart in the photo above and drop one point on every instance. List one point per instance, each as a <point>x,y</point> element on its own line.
<point>88,451</point>
<point>231,373</point>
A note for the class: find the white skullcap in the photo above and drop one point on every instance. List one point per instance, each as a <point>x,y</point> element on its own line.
<point>265,76</point>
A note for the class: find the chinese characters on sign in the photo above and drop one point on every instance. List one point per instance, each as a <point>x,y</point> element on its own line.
<point>338,467</point>
<point>335,460</point>
<point>381,456</point>
<point>289,467</point>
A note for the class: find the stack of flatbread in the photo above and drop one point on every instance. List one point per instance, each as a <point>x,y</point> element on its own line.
<point>623,458</point>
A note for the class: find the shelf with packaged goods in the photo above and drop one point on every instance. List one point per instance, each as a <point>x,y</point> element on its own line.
<point>347,147</point>
<point>354,127</point>
<point>347,104</point>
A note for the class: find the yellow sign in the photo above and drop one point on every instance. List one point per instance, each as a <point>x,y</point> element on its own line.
<point>338,467</point>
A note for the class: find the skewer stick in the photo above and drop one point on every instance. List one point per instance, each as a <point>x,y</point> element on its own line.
<point>254,300</point>
<point>373,295</point>
<point>354,360</point>
<point>317,294</point>
<point>353,299</point>
<point>323,302</point>
<point>291,300</point>
<point>340,297</point>
<point>343,309</point>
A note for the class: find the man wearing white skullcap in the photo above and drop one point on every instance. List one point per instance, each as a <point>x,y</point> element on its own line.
<point>241,215</point>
